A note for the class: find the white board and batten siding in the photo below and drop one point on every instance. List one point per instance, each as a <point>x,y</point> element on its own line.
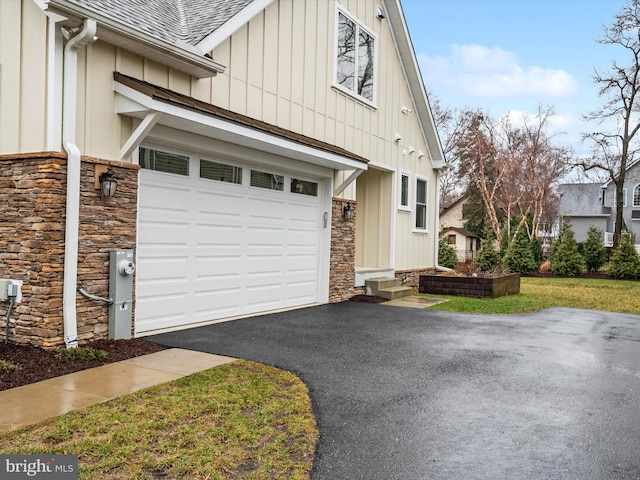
<point>210,250</point>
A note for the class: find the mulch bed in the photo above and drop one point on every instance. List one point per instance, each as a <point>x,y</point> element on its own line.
<point>368,299</point>
<point>38,364</point>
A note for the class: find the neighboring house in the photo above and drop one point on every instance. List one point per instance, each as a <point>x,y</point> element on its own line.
<point>454,214</point>
<point>594,204</point>
<point>243,136</point>
<point>582,205</point>
<point>465,243</point>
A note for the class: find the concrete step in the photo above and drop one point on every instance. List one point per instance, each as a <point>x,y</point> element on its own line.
<point>393,293</point>
<point>386,287</point>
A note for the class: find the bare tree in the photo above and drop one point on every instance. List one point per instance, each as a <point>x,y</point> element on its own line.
<point>513,168</point>
<point>450,125</point>
<point>613,151</point>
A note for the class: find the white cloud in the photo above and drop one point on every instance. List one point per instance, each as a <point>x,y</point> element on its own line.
<point>480,71</point>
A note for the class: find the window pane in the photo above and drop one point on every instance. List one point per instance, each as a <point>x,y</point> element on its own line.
<point>636,196</point>
<point>365,65</point>
<point>404,191</point>
<point>304,187</point>
<point>267,180</point>
<point>421,204</point>
<point>421,191</point>
<point>346,65</point>
<point>164,162</point>
<point>421,217</point>
<point>220,172</point>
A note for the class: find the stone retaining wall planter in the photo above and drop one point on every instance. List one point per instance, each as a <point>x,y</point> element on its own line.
<point>471,286</point>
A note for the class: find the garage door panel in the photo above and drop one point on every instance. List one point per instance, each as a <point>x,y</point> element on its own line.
<point>164,268</point>
<point>165,199</point>
<point>165,234</point>
<point>218,205</point>
<point>211,250</point>
<point>215,235</point>
<point>211,304</point>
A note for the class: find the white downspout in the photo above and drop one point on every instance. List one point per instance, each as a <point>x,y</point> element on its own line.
<point>70,79</point>
<point>439,268</point>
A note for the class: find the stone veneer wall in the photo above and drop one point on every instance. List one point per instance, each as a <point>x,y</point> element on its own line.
<point>411,278</point>
<point>32,230</point>
<point>343,253</point>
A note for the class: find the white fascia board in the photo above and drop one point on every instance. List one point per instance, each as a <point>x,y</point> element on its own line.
<point>183,57</point>
<point>138,105</point>
<point>236,22</point>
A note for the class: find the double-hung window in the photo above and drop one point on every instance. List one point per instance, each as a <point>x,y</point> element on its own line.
<point>636,196</point>
<point>404,191</point>
<point>421,204</point>
<point>355,59</point>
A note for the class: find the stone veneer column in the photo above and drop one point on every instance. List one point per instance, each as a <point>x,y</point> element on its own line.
<point>33,197</point>
<point>343,253</point>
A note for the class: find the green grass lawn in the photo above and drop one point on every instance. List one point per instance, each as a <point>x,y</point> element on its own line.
<point>538,293</point>
<point>239,420</point>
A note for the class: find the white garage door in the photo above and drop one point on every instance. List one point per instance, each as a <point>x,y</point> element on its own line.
<point>218,240</point>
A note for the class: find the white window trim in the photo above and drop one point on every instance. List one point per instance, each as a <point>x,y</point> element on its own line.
<point>624,198</point>
<point>401,207</point>
<point>426,197</point>
<point>633,201</point>
<point>351,93</point>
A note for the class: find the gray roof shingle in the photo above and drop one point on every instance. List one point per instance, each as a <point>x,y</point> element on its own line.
<point>173,21</point>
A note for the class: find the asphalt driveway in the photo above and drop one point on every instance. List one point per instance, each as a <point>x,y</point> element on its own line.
<point>403,393</point>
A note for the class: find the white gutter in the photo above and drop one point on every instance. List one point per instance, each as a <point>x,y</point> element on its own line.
<point>439,268</point>
<point>181,56</point>
<point>70,79</point>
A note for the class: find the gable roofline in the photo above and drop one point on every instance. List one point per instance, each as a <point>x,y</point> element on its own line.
<point>453,204</point>
<point>629,167</point>
<point>459,230</point>
<point>404,46</point>
<point>181,56</point>
<point>233,24</point>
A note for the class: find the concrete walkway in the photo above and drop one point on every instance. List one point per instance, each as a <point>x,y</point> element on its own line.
<point>32,403</point>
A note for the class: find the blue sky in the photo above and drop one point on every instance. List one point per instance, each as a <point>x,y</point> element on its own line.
<point>513,55</point>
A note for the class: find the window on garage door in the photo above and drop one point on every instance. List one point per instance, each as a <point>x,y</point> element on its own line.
<point>267,180</point>
<point>164,161</point>
<point>220,172</point>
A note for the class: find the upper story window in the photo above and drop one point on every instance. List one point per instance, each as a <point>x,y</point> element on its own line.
<point>636,196</point>
<point>421,204</point>
<point>624,198</point>
<point>355,57</point>
<point>404,190</point>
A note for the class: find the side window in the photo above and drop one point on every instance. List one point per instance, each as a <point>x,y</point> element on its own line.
<point>404,190</point>
<point>421,204</point>
<point>355,57</point>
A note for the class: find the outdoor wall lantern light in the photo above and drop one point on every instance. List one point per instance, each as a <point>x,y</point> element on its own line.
<point>347,212</point>
<point>108,184</point>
